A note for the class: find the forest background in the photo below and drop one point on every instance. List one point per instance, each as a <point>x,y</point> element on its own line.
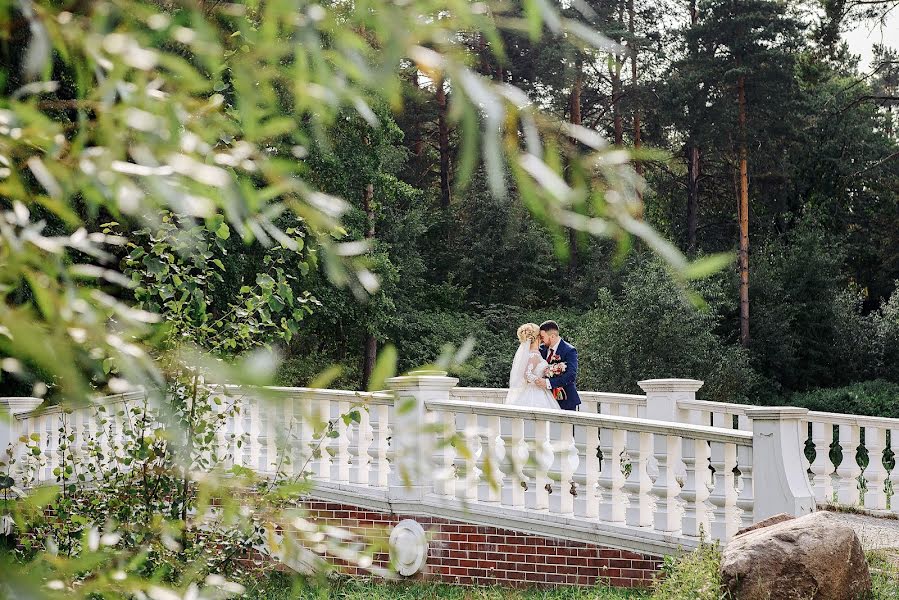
<point>697,90</point>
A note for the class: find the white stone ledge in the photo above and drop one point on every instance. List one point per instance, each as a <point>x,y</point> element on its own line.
<point>858,420</point>
<point>699,432</point>
<point>374,398</point>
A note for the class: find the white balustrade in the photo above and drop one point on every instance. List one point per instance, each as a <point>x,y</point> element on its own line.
<point>665,464</point>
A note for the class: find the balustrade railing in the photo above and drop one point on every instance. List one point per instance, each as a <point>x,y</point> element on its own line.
<point>662,464</point>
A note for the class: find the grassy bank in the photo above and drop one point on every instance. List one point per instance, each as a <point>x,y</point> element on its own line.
<point>694,577</point>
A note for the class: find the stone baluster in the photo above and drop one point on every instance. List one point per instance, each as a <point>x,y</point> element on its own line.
<point>543,456</point>
<point>667,515</point>
<point>604,481</point>
<point>724,495</point>
<point>613,507</point>
<point>304,419</point>
<point>697,509</point>
<point>473,444</point>
<point>382,446</point>
<point>875,473</point>
<point>496,454</point>
<point>567,487</point>
<point>776,464</point>
<point>894,472</point>
<point>821,467</point>
<point>364,437</point>
<point>446,476</point>
<point>343,442</point>
<point>323,440</point>
<point>745,486</point>
<point>804,437</point>
<point>639,512</point>
<point>591,473</point>
<point>848,472</point>
<point>518,459</point>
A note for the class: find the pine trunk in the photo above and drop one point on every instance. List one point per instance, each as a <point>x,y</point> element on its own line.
<point>693,167</point>
<point>637,135</point>
<point>443,143</point>
<point>618,63</point>
<point>370,351</point>
<point>744,217</point>
<point>692,194</point>
<point>419,143</point>
<point>574,111</point>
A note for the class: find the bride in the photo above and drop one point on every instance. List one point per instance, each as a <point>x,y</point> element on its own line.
<point>527,367</point>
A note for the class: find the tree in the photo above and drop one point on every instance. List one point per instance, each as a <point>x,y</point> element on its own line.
<point>744,47</point>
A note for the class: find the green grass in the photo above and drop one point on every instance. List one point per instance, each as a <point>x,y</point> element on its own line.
<point>283,587</point>
<point>691,577</point>
<point>884,565</point>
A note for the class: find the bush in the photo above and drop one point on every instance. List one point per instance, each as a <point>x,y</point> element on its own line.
<point>650,330</point>
<point>694,576</point>
<point>877,398</point>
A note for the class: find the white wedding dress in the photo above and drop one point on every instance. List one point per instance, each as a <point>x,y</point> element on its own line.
<point>527,367</point>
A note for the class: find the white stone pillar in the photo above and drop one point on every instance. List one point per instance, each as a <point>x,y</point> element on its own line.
<point>9,408</point>
<point>782,485</point>
<point>412,441</point>
<point>662,396</point>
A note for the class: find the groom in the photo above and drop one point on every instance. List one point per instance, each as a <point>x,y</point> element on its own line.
<point>554,350</point>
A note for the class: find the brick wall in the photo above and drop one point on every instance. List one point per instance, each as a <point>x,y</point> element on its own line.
<point>467,554</point>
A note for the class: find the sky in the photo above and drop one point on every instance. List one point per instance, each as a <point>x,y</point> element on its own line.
<point>863,38</point>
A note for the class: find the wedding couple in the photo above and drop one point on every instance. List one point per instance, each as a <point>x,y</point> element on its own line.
<point>544,369</point>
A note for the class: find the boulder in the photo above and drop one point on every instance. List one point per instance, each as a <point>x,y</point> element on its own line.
<point>767,523</point>
<point>813,557</point>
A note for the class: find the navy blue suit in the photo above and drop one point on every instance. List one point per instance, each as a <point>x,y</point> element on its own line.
<point>563,385</point>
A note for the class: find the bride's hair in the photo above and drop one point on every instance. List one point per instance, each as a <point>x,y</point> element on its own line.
<point>528,332</point>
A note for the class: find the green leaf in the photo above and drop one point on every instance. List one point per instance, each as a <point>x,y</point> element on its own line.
<point>218,263</point>
<point>707,265</point>
<point>385,367</point>
<point>224,232</point>
<point>326,377</point>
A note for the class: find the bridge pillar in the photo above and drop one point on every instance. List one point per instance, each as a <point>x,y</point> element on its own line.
<point>662,396</point>
<point>412,441</point>
<point>777,466</point>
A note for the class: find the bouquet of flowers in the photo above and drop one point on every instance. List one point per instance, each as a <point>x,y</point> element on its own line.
<point>555,369</point>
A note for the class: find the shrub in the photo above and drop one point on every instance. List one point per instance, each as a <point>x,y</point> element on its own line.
<point>877,398</point>
<point>650,330</point>
<point>693,576</point>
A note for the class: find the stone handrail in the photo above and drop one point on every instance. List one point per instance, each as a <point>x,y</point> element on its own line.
<point>625,461</point>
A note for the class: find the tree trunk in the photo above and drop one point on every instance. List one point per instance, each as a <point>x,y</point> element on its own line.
<point>618,121</point>
<point>634,72</point>
<point>419,142</point>
<point>693,169</point>
<point>370,352</point>
<point>443,143</point>
<point>615,73</point>
<point>692,194</point>
<point>744,217</point>
<point>574,112</point>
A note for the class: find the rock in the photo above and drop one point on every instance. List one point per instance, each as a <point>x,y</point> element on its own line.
<point>767,523</point>
<point>813,557</point>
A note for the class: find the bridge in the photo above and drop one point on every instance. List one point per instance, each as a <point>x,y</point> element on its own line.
<point>500,493</point>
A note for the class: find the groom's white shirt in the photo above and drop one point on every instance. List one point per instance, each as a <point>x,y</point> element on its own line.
<point>554,349</point>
